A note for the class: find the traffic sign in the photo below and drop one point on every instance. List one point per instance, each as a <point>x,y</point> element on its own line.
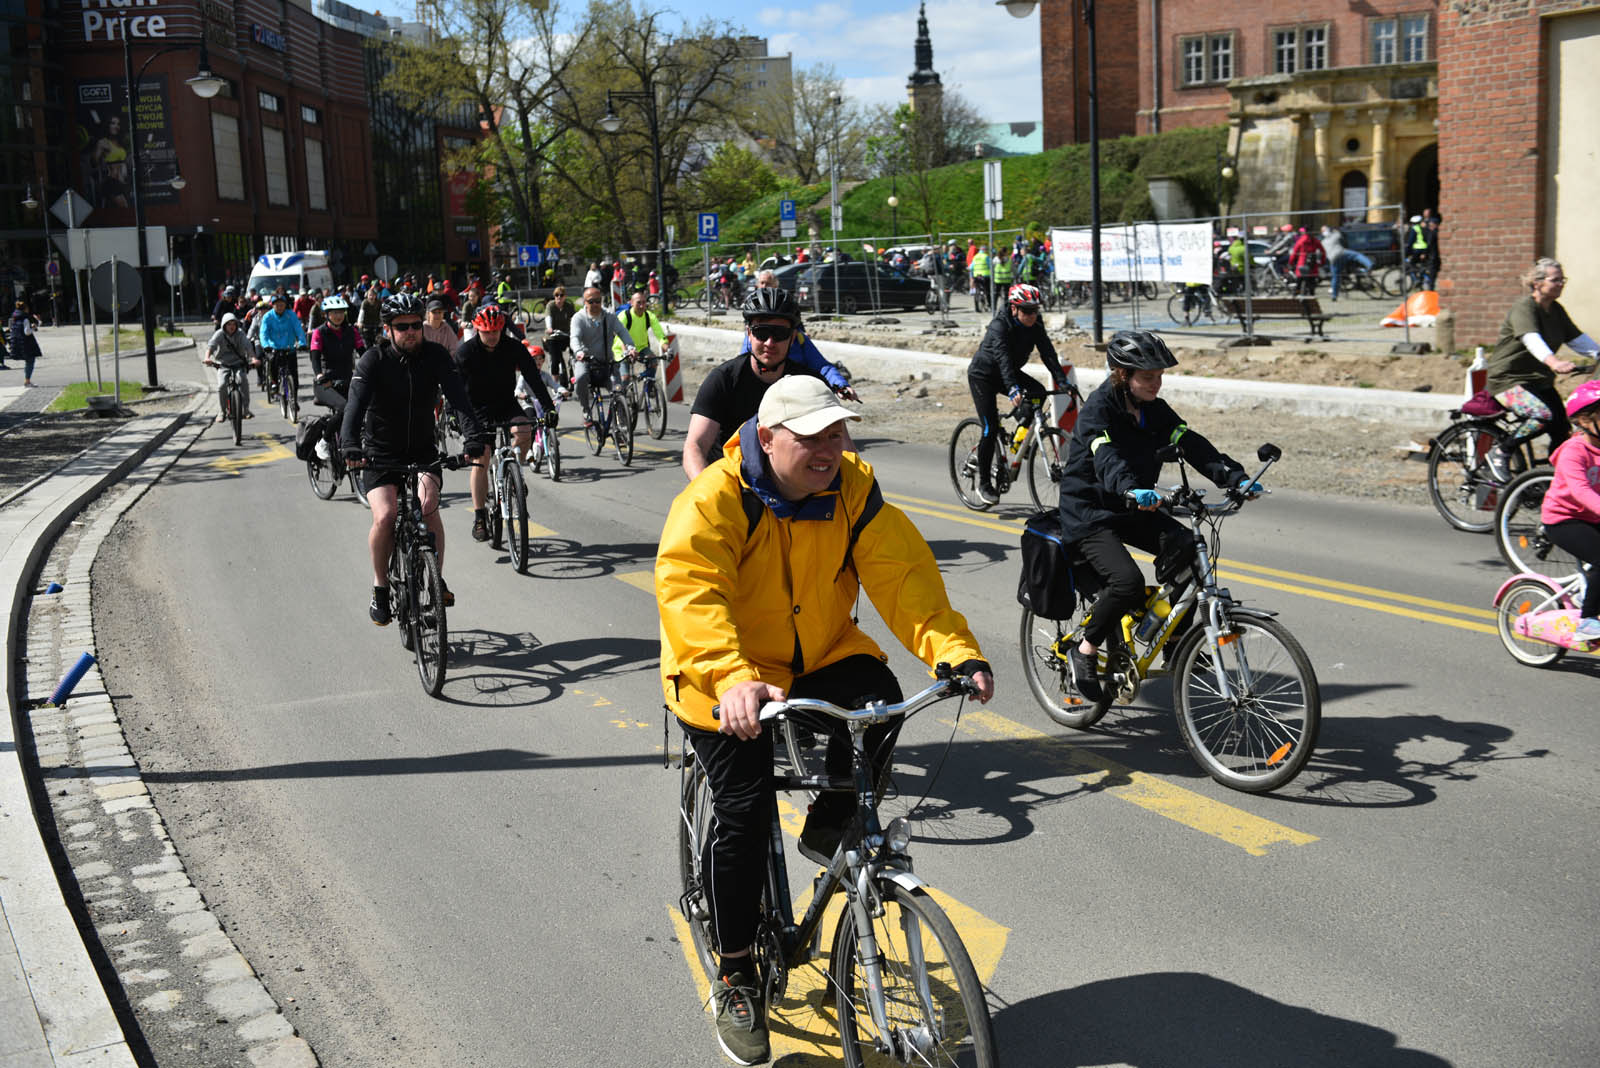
<point>474,246</point>
<point>552,255</point>
<point>786,211</point>
<point>993,208</point>
<point>71,208</point>
<point>838,217</point>
<point>707,227</point>
<point>527,255</point>
<point>386,266</point>
<point>124,285</point>
<point>370,250</point>
<point>174,273</point>
<point>550,241</point>
<point>786,228</point>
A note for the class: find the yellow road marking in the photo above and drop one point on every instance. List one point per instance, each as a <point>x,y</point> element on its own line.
<point>1235,826</point>
<point>538,530</point>
<point>274,451</point>
<point>644,580</point>
<point>804,1028</point>
<point>1235,571</point>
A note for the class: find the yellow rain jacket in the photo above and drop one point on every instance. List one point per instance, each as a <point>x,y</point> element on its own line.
<point>754,587</point>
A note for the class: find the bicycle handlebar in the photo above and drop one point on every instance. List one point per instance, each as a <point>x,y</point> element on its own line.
<point>947,685</point>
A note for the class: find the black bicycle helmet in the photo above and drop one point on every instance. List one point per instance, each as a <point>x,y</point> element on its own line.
<point>1138,350</point>
<point>402,303</point>
<point>771,304</point>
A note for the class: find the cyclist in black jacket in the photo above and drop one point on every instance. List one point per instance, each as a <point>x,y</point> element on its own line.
<point>389,422</point>
<point>489,362</point>
<point>1106,490</point>
<point>1014,332</point>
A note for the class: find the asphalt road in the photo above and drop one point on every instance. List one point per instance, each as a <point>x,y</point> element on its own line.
<point>490,878</point>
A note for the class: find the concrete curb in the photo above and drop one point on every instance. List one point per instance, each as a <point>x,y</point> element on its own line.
<point>1380,405</point>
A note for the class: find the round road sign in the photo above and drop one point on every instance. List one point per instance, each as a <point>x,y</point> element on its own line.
<point>174,273</point>
<point>127,287</point>
<point>386,266</point>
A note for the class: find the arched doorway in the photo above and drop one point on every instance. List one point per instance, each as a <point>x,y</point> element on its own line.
<point>1353,196</point>
<point>1422,181</point>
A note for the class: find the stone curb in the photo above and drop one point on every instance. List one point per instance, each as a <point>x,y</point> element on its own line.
<point>1381,405</point>
<point>84,759</point>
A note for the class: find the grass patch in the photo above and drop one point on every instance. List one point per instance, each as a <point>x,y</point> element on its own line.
<point>75,396</point>
<point>134,338</point>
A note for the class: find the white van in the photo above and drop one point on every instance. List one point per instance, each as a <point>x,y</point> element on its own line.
<point>296,272</point>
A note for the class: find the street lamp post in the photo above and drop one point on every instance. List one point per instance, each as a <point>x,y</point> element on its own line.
<point>1022,9</point>
<point>611,123</point>
<point>205,85</point>
<point>833,198</point>
<point>50,285</point>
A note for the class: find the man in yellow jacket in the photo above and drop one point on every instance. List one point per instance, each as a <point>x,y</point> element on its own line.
<point>759,568</point>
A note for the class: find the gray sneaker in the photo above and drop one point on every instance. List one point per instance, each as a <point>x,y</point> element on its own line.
<point>741,1019</point>
<point>1498,463</point>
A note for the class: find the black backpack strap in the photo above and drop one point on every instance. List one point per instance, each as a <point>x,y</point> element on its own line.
<point>752,510</point>
<point>869,512</point>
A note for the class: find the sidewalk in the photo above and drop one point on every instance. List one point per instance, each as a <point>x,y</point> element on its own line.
<point>53,1005</point>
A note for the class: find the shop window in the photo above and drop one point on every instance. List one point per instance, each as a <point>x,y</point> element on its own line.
<point>316,187</point>
<point>275,165</point>
<point>225,150</point>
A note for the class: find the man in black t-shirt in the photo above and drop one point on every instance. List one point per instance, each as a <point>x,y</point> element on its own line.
<point>732,392</point>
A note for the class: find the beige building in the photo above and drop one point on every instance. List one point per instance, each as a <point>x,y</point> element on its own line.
<point>1346,139</point>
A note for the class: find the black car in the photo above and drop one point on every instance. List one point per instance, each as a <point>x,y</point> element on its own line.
<point>861,285</point>
<point>1377,241</point>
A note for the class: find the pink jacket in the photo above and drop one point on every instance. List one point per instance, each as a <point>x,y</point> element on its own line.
<point>1574,492</point>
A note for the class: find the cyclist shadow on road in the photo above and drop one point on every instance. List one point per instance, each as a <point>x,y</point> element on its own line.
<point>1202,1021</point>
<point>493,670</point>
<point>955,554</point>
<point>564,558</point>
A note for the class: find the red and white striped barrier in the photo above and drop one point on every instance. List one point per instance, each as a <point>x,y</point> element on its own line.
<point>674,373</point>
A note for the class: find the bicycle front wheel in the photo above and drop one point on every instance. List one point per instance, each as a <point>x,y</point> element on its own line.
<point>655,410</point>
<point>514,492</point>
<point>964,463</point>
<point>1044,645</point>
<point>1047,459</point>
<point>1521,597</point>
<point>621,429</point>
<point>236,415</point>
<point>1519,531</point>
<point>1259,736</point>
<point>934,1004</point>
<point>694,827</point>
<point>358,485</point>
<point>552,454</point>
<point>1460,483</point>
<point>431,638</point>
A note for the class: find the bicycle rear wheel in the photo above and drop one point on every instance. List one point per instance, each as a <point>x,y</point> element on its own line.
<point>620,418</point>
<point>1521,597</point>
<point>694,826</point>
<point>655,410</point>
<point>964,463</point>
<point>494,509</point>
<point>1460,483</point>
<point>320,473</point>
<point>594,427</point>
<point>1047,459</point>
<point>284,391</point>
<point>236,414</point>
<point>358,485</point>
<point>1519,532</point>
<point>514,492</point>
<point>934,1003</point>
<point>1044,643</point>
<point>1261,737</point>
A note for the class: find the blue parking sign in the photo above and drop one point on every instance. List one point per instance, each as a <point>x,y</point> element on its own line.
<point>786,211</point>
<point>708,227</point>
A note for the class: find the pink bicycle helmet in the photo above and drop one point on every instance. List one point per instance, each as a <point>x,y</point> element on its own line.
<point>1585,396</point>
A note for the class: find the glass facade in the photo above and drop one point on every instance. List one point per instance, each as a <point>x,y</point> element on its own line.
<point>33,137</point>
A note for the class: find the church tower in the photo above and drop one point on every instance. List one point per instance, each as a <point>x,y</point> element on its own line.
<point>923,88</point>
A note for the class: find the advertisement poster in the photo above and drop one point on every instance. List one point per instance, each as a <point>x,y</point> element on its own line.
<point>1154,252</point>
<point>458,188</point>
<point>104,145</point>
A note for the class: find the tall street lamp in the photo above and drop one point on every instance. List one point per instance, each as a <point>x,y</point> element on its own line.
<point>205,85</point>
<point>50,280</point>
<point>1021,9</point>
<point>611,123</point>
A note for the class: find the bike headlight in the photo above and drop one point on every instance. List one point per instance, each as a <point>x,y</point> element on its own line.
<point>897,837</point>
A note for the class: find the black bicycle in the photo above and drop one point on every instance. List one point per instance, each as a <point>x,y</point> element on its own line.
<point>233,380</point>
<point>903,984</point>
<point>325,466</point>
<point>609,417</point>
<point>416,588</point>
<point>284,374</point>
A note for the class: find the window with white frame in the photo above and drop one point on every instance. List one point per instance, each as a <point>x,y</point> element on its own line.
<point>1296,48</point>
<point>1285,51</point>
<point>225,149</point>
<point>1413,38</point>
<point>1206,60</point>
<point>1383,40</point>
<point>1314,47</point>
<point>275,165</point>
<point>1402,39</point>
<point>316,183</point>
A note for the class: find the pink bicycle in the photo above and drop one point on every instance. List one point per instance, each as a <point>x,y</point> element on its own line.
<point>1537,616</point>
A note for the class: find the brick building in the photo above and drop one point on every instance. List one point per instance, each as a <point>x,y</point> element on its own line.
<point>1517,144</point>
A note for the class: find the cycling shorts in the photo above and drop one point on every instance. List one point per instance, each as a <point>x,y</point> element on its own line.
<point>373,477</point>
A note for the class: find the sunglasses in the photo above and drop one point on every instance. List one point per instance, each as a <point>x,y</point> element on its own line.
<point>1027,309</point>
<point>594,303</point>
<point>399,327</point>
<point>774,332</point>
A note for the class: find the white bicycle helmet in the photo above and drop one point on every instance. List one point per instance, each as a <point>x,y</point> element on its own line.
<point>335,303</point>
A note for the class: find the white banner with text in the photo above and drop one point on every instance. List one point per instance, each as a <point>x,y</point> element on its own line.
<point>1141,252</point>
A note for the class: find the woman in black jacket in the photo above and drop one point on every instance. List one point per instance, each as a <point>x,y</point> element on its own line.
<point>1107,499</point>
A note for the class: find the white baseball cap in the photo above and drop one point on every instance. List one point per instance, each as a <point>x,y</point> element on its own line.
<point>802,403</point>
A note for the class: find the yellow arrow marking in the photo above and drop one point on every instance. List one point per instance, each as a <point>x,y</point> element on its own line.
<point>273,452</point>
<point>644,580</point>
<point>1235,826</point>
<point>804,1028</point>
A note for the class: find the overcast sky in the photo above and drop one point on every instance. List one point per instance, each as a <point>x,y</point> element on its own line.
<point>978,49</point>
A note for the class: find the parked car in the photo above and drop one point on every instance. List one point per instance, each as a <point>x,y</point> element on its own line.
<point>861,285</point>
<point>1377,241</point>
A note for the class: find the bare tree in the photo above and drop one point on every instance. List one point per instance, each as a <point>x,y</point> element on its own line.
<point>800,133</point>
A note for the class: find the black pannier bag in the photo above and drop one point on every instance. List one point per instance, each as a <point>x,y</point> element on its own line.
<point>308,433</point>
<point>1045,587</point>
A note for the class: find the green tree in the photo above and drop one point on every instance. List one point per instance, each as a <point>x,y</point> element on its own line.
<point>801,130</point>
<point>733,178</point>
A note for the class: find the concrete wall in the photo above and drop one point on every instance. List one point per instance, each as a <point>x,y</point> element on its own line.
<point>1572,188</point>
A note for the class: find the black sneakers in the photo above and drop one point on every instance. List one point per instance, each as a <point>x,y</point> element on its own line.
<point>1084,673</point>
<point>480,525</point>
<point>379,608</point>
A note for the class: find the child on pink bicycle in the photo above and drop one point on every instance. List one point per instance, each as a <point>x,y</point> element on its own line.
<point>1571,509</point>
